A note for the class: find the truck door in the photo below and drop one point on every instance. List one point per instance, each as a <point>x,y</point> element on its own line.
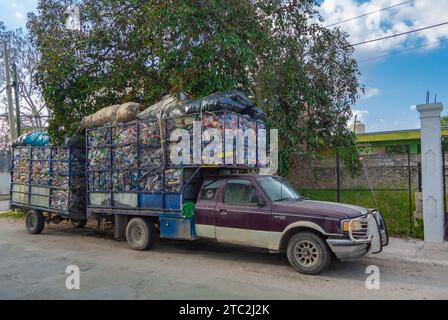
<point>243,214</point>
<point>205,212</point>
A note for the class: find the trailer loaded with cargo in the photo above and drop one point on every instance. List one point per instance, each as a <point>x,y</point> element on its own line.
<point>48,179</point>
<point>187,170</point>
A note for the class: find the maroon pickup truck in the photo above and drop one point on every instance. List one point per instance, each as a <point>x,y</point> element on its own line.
<point>265,212</point>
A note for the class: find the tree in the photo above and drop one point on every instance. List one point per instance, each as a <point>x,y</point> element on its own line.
<point>24,55</point>
<point>274,50</point>
<point>308,75</point>
<point>444,121</point>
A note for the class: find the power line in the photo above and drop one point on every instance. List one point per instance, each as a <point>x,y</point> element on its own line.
<point>399,34</point>
<point>369,13</point>
<point>403,50</point>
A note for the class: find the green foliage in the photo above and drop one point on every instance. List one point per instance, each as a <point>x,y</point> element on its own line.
<point>350,157</point>
<point>444,121</point>
<point>12,215</point>
<point>300,73</point>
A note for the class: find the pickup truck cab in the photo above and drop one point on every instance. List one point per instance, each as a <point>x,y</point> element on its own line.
<point>266,212</point>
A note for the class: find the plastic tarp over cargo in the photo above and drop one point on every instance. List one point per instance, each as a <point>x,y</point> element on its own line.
<point>169,106</point>
<point>32,139</point>
<point>173,107</point>
<point>234,101</point>
<point>122,113</point>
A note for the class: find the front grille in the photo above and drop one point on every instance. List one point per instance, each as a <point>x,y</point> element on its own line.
<point>359,229</point>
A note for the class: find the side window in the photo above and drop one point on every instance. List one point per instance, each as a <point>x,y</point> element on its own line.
<point>209,188</point>
<point>240,192</point>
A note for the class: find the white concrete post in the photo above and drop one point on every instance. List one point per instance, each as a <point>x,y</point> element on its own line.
<point>432,180</point>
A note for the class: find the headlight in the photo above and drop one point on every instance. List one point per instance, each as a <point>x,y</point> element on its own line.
<point>355,225</point>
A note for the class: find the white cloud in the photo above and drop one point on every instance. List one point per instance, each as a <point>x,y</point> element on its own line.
<point>19,15</point>
<point>370,92</point>
<point>360,115</point>
<point>402,18</point>
<point>412,108</point>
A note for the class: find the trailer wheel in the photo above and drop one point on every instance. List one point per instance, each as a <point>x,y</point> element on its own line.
<point>78,223</point>
<point>141,234</point>
<point>35,221</point>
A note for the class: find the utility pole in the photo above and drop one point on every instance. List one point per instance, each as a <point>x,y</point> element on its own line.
<point>15,83</point>
<point>12,125</point>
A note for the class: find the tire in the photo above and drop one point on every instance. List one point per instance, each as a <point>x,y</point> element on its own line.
<point>141,234</point>
<point>308,253</point>
<point>78,223</point>
<point>34,221</point>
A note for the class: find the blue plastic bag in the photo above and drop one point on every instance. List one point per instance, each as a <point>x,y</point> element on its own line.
<point>37,139</point>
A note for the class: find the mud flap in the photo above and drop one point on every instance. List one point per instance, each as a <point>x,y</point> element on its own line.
<point>376,243</point>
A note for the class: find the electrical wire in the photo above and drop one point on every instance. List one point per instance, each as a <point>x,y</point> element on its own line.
<point>401,51</point>
<point>399,34</point>
<point>369,13</point>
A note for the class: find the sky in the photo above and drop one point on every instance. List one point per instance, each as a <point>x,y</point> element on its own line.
<point>395,73</point>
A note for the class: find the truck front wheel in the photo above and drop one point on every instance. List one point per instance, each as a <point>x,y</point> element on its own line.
<point>141,234</point>
<point>308,253</point>
<point>35,221</point>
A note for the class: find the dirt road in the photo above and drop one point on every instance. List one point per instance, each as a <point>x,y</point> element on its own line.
<point>33,267</point>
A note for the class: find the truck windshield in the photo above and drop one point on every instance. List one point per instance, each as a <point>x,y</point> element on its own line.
<point>278,189</point>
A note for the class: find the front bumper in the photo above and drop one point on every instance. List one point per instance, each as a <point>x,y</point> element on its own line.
<point>374,239</point>
<point>348,249</point>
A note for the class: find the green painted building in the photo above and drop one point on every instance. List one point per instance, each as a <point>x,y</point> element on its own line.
<point>382,142</point>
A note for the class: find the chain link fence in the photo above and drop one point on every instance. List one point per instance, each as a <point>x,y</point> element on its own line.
<point>385,177</point>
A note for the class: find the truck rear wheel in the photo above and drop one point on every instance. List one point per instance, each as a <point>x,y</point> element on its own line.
<point>308,253</point>
<point>35,222</point>
<point>78,223</point>
<point>141,234</point>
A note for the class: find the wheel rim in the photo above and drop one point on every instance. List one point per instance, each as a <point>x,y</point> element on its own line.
<point>31,221</point>
<point>138,234</point>
<point>306,253</point>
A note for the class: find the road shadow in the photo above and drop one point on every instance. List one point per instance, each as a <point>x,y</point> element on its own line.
<point>219,251</point>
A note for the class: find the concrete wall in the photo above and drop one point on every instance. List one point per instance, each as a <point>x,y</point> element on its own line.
<point>4,172</point>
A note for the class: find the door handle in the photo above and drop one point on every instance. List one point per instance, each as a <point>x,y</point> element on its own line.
<point>223,212</point>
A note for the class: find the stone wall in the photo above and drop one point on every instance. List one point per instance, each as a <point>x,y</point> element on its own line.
<point>385,171</point>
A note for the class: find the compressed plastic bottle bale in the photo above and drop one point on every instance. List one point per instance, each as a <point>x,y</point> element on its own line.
<point>98,137</point>
<point>151,180</point>
<point>150,134</point>
<point>100,118</point>
<point>128,112</point>
<point>173,180</point>
<point>125,134</point>
<point>99,159</point>
<point>125,157</point>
